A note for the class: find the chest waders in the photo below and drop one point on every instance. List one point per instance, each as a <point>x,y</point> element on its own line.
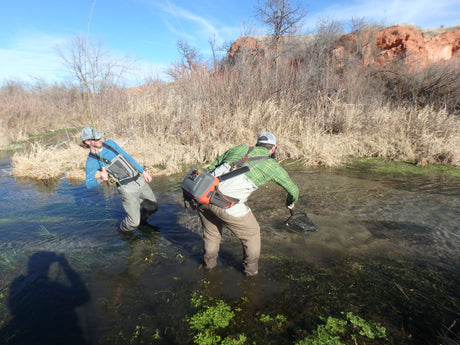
<point>133,195</point>
<point>121,171</point>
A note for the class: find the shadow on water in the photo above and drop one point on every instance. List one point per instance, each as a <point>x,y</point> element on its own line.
<point>387,249</point>
<point>42,303</point>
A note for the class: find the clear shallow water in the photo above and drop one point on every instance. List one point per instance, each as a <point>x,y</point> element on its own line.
<point>383,241</point>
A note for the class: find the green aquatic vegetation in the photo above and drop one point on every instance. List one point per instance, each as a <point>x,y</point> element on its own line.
<point>45,232</point>
<point>212,317</point>
<point>140,332</point>
<point>8,259</point>
<point>241,339</point>
<point>393,292</point>
<point>180,258</point>
<point>26,219</point>
<point>339,331</point>
<point>132,338</point>
<point>137,332</point>
<point>3,308</point>
<point>276,322</point>
<point>382,166</point>
<point>366,329</point>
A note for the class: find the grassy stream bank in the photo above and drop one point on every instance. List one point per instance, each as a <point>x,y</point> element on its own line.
<point>48,156</point>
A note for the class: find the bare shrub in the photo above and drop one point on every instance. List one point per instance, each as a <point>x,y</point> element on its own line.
<point>323,110</point>
<point>437,85</point>
<point>39,109</point>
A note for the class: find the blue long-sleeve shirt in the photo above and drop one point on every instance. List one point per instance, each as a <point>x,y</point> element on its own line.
<point>93,164</point>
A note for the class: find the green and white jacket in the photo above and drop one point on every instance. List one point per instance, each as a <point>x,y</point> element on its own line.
<point>242,186</point>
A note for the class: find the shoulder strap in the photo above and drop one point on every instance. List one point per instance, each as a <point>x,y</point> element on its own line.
<point>257,160</point>
<point>243,169</point>
<point>239,163</point>
<point>99,158</point>
<point>109,147</point>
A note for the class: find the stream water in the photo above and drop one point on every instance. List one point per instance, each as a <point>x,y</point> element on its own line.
<point>387,249</point>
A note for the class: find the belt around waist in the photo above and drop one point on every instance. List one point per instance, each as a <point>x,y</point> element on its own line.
<point>130,179</point>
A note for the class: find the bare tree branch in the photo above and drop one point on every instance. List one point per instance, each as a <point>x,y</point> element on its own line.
<point>94,67</point>
<point>280,16</point>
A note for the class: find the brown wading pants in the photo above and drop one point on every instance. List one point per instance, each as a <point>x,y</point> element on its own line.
<point>246,229</point>
<point>134,195</point>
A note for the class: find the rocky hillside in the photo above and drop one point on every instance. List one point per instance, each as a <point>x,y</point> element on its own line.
<point>378,47</point>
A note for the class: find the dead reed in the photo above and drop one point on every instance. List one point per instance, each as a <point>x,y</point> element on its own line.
<point>322,112</point>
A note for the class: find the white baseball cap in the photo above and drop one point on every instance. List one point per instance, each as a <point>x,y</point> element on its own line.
<point>266,138</point>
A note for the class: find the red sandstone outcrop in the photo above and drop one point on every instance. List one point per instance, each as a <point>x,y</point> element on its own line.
<point>382,47</point>
<point>415,48</point>
<point>247,43</point>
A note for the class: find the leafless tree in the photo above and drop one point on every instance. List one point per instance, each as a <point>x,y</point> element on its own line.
<point>247,29</point>
<point>190,55</point>
<point>95,68</point>
<point>212,44</point>
<point>280,16</point>
<point>190,61</point>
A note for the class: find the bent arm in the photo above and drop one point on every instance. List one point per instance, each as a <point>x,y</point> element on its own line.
<point>92,167</point>
<point>293,193</point>
<point>282,178</point>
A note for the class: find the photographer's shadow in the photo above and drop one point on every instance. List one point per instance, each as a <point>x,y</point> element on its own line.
<point>43,307</point>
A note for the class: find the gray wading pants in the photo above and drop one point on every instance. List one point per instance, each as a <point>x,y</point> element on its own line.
<point>245,228</point>
<point>134,195</point>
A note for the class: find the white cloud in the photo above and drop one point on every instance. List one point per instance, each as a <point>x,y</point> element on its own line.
<point>191,26</point>
<point>31,56</point>
<point>181,14</point>
<point>417,12</point>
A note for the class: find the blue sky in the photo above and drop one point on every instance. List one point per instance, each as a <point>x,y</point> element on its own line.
<point>148,30</point>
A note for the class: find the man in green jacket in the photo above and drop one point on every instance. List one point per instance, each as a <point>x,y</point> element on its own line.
<point>239,218</point>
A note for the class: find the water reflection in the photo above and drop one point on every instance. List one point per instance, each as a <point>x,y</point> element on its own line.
<point>43,303</point>
<point>385,245</point>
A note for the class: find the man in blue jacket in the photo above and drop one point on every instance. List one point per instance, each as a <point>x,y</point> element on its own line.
<point>109,162</point>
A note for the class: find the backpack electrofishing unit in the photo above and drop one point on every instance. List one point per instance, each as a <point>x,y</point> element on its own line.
<point>199,185</point>
<point>203,187</point>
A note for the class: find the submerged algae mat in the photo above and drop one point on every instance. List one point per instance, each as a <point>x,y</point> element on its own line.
<point>386,249</point>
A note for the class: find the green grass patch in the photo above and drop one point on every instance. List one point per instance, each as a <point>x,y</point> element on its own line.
<point>19,144</point>
<point>59,131</point>
<point>383,166</point>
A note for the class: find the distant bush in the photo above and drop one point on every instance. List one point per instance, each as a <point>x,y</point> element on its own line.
<point>324,108</point>
<point>436,85</point>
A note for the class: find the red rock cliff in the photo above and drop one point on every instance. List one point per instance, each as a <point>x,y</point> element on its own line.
<point>395,42</point>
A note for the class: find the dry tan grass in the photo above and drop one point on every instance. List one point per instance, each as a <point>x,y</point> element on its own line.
<point>162,144</point>
<point>44,162</point>
<point>319,118</point>
<point>440,30</point>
